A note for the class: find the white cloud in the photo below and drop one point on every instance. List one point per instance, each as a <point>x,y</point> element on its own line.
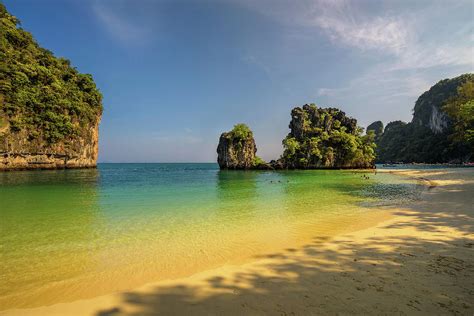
<point>428,56</point>
<point>328,92</point>
<point>253,60</point>
<point>388,34</point>
<point>400,35</point>
<point>343,24</point>
<point>118,25</point>
<point>410,51</point>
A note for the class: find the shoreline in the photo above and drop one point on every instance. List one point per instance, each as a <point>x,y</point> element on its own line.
<point>372,269</point>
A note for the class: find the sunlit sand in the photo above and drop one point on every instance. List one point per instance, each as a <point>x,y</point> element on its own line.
<point>419,258</point>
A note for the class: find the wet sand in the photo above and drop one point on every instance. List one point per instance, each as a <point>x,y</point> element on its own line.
<point>419,261</point>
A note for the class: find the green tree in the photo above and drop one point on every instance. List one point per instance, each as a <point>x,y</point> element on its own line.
<point>326,138</point>
<point>40,94</point>
<point>241,131</point>
<point>460,109</point>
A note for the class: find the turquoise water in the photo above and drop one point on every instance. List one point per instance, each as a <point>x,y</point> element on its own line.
<point>71,234</point>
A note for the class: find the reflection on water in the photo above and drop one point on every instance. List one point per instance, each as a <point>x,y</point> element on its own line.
<point>71,234</point>
<point>37,210</point>
<point>231,184</point>
<point>237,195</point>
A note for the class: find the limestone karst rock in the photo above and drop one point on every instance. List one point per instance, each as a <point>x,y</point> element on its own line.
<point>318,139</point>
<point>49,112</point>
<point>237,149</point>
<point>325,138</point>
<point>434,133</point>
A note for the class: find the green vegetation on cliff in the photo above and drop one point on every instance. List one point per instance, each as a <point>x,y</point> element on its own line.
<point>40,93</point>
<point>236,149</point>
<point>326,138</point>
<point>442,129</point>
<point>460,109</point>
<point>240,132</point>
<point>377,128</point>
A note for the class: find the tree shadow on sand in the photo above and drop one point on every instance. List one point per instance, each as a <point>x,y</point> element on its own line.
<point>385,274</point>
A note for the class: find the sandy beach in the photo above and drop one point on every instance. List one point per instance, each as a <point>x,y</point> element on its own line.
<point>418,261</point>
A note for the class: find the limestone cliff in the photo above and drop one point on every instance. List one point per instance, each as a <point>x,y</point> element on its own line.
<point>49,112</point>
<point>318,139</point>
<point>325,138</point>
<point>428,110</point>
<point>18,152</point>
<point>437,133</point>
<point>237,149</point>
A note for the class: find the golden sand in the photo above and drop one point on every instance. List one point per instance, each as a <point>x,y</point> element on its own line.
<point>418,260</point>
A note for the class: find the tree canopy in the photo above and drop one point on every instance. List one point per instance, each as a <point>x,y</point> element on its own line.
<point>460,109</point>
<point>442,129</point>
<point>240,131</point>
<point>40,93</point>
<point>326,138</point>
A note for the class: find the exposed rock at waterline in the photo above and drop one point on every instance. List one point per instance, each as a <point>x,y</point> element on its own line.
<point>237,149</point>
<point>49,112</point>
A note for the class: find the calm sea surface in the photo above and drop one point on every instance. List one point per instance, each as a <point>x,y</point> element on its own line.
<point>71,234</point>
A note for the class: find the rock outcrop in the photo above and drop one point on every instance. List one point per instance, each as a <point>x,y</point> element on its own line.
<point>319,139</point>
<point>237,149</point>
<point>433,135</point>
<point>17,152</point>
<point>428,111</point>
<point>377,128</point>
<point>325,138</point>
<point>49,112</point>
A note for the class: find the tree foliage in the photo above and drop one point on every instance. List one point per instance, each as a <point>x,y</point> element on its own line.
<point>442,129</point>
<point>460,109</point>
<point>240,132</point>
<point>377,128</point>
<point>40,93</point>
<point>326,138</point>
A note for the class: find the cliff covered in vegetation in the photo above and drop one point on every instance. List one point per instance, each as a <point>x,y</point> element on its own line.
<point>318,139</point>
<point>326,138</point>
<point>49,112</point>
<point>237,149</point>
<point>442,128</point>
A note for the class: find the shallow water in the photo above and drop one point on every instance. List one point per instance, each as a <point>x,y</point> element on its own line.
<point>71,234</point>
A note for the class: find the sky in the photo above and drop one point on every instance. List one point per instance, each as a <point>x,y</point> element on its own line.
<point>176,74</point>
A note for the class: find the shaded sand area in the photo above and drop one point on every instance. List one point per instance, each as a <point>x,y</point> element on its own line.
<point>419,261</point>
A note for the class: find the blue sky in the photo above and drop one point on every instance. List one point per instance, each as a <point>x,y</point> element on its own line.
<point>175,74</point>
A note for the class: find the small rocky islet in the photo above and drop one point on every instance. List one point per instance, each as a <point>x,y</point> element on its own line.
<point>441,131</point>
<point>319,138</point>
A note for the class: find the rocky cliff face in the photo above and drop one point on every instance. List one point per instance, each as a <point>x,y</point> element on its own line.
<point>19,152</point>
<point>377,128</point>
<point>49,112</point>
<point>237,149</point>
<point>428,138</point>
<point>319,139</point>
<point>308,118</point>
<point>325,138</point>
<point>428,110</point>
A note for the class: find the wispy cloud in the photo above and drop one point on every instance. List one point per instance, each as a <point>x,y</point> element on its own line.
<point>428,56</point>
<point>344,25</point>
<point>327,92</point>
<point>253,60</point>
<point>119,25</point>
<point>341,21</point>
<point>409,56</point>
<point>399,35</point>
